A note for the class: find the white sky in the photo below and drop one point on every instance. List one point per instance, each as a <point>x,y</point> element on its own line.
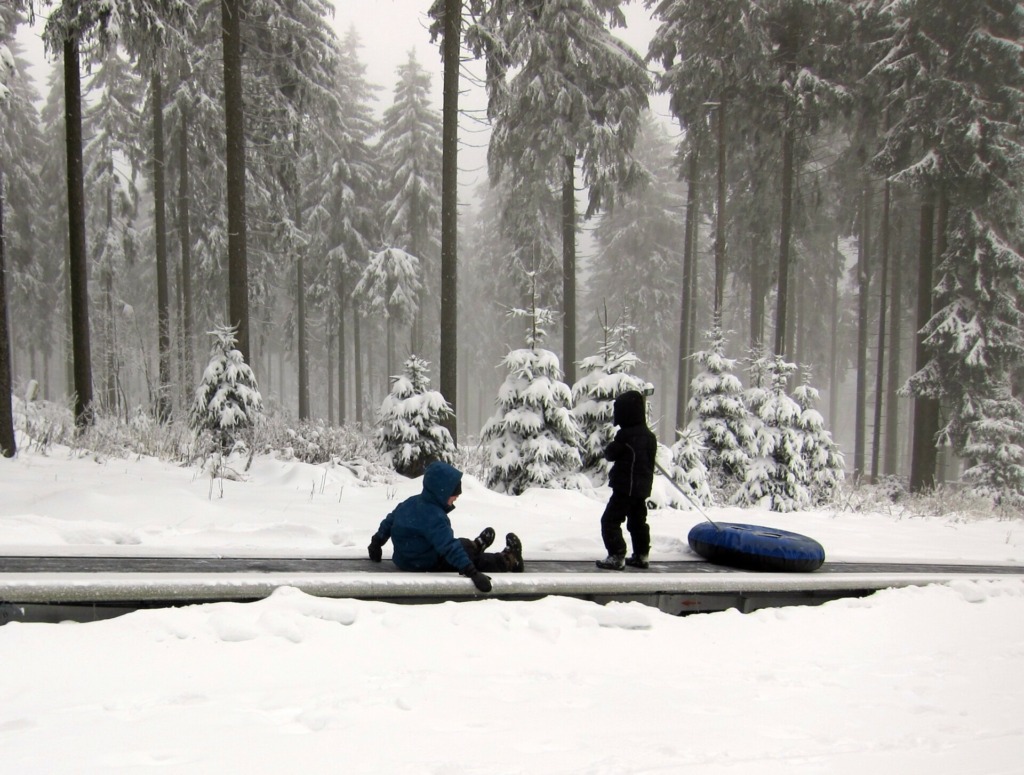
<point>905,682</point>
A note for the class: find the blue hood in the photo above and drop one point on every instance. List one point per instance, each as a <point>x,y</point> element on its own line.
<point>439,482</point>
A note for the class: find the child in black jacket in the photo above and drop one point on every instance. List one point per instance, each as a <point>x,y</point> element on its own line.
<point>632,453</point>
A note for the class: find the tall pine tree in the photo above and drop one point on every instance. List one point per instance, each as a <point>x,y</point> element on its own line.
<point>410,155</point>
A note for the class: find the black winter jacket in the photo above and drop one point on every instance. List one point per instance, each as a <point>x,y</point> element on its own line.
<point>633,449</point>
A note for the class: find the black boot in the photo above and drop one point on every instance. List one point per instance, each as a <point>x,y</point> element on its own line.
<point>485,539</point>
<point>514,553</point>
<point>612,562</point>
<point>638,561</point>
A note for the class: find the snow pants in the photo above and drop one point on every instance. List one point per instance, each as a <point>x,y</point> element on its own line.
<point>632,511</point>
<point>486,562</point>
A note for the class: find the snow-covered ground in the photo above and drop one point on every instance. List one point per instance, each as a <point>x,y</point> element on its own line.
<point>916,680</point>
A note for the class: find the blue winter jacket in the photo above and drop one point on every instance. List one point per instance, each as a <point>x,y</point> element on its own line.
<point>420,529</point>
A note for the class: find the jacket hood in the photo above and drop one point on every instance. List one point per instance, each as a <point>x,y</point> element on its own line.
<point>629,409</point>
<point>439,482</point>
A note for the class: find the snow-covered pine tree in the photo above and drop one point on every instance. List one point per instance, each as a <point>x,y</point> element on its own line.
<point>605,377</point>
<point>776,472</point>
<point>995,449</point>
<point>228,399</point>
<point>390,286</point>
<point>410,432</point>
<point>956,139</point>
<point>641,239</point>
<point>976,338</point>
<point>410,154</point>
<point>113,158</point>
<point>720,416</point>
<point>688,469</point>
<point>23,260</point>
<point>563,92</point>
<point>823,460</point>
<point>532,439</point>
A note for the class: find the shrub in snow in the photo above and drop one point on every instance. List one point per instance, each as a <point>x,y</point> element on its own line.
<point>605,377</point>
<point>776,473</point>
<point>532,438</point>
<point>410,432</point>
<point>227,400</point>
<point>719,415</point>
<point>824,462</point>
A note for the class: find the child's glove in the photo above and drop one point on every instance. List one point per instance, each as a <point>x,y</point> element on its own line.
<point>480,580</point>
<point>374,549</point>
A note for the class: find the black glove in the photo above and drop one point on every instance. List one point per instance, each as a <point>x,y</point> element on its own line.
<point>480,580</point>
<point>374,549</point>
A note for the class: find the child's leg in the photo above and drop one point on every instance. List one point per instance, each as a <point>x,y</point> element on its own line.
<point>611,525</point>
<point>639,530</point>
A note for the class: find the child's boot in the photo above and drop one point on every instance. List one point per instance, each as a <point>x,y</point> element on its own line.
<point>485,539</point>
<point>638,561</point>
<point>612,562</point>
<point>514,553</point>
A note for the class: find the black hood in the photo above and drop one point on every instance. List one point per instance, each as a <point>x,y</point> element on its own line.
<point>630,410</point>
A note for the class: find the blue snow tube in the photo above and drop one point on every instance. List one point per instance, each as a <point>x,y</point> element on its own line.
<point>753,547</point>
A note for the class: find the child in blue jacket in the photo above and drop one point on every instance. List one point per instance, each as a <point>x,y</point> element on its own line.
<point>423,538</point>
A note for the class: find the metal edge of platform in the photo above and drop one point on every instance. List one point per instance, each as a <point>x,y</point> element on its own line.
<point>23,588</point>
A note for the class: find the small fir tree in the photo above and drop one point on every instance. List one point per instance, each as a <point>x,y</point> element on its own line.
<point>995,449</point>
<point>227,400</point>
<point>824,462</point>
<point>720,416</point>
<point>532,438</point>
<point>688,470</point>
<point>411,434</point>
<point>605,377</point>
<point>776,473</point>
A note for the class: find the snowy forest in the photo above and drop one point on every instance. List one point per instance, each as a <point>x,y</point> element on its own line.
<point>832,209</point>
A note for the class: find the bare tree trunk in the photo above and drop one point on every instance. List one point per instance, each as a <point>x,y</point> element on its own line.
<point>833,373</point>
<point>449,210</point>
<point>300,282</point>
<point>785,239</point>
<point>798,328</point>
<point>569,271</point>
<point>163,304</point>
<point>944,457</point>
<point>891,458</point>
<point>883,285</point>
<point>69,337</point>
<point>329,333</point>
<point>108,395</point>
<point>341,352</point>
<point>78,271</point>
<point>720,216</point>
<point>416,329</point>
<point>926,410</point>
<point>863,299</point>
<point>689,266</point>
<point>357,393</point>
<point>756,297</point>
<point>234,117</point>
<point>8,447</point>
<point>185,243</point>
